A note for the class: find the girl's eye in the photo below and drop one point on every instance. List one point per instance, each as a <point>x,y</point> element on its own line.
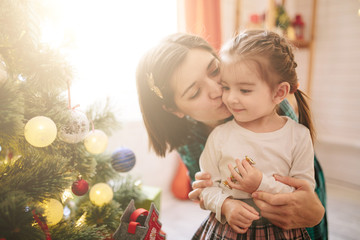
<point>245,91</point>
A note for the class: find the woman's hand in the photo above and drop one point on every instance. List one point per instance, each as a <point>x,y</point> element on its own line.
<point>202,180</point>
<point>301,208</point>
<point>238,214</point>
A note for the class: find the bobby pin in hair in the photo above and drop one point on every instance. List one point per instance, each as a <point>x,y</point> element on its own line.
<point>155,89</point>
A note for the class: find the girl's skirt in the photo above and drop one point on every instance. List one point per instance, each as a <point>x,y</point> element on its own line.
<point>212,229</point>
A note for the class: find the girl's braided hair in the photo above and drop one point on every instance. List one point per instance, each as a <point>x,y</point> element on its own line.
<point>273,55</point>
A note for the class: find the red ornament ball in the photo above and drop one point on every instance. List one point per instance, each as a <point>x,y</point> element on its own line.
<point>80,187</point>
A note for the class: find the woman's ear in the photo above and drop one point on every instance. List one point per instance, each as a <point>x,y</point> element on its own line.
<point>172,111</point>
<point>281,92</point>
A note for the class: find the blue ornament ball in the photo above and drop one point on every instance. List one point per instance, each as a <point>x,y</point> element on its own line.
<point>123,160</point>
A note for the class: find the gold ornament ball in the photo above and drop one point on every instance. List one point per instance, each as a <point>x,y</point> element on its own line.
<point>40,131</point>
<point>100,194</point>
<point>96,142</point>
<point>53,211</point>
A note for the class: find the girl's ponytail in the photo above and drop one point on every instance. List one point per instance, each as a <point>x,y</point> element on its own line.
<point>304,112</point>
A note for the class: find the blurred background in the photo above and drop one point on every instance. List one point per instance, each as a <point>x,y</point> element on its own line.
<point>109,38</point>
<point>104,41</point>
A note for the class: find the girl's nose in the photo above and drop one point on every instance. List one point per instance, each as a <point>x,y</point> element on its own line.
<point>232,97</point>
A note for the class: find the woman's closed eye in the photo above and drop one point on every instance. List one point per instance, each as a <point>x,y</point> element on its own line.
<point>214,68</point>
<point>215,72</point>
<point>225,88</point>
<point>195,93</point>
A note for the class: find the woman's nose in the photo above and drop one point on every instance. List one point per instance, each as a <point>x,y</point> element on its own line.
<point>215,89</point>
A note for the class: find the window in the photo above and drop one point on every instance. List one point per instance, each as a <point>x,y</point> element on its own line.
<point>110,38</point>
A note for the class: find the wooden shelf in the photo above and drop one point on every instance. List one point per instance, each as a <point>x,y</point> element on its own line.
<point>301,43</point>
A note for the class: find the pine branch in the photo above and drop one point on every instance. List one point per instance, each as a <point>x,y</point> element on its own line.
<point>127,189</point>
<point>80,161</point>
<point>70,231</point>
<point>16,218</point>
<point>47,72</point>
<point>102,117</point>
<point>12,113</point>
<point>39,178</point>
<point>108,214</point>
<point>48,104</point>
<point>36,81</point>
<point>104,171</point>
<point>19,27</point>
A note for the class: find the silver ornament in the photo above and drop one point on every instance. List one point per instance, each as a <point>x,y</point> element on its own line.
<point>76,129</point>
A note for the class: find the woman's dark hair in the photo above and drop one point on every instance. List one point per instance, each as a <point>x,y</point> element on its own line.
<point>154,72</point>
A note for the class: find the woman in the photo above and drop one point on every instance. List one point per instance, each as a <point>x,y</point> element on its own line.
<point>180,100</point>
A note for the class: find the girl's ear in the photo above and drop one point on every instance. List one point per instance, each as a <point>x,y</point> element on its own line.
<point>172,111</point>
<point>281,92</point>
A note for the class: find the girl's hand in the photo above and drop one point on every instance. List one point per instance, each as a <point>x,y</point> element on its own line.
<point>238,214</point>
<point>202,180</point>
<point>299,209</point>
<point>248,178</point>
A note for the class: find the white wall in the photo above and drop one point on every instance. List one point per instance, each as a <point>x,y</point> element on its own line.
<point>335,98</point>
<point>335,81</point>
<point>336,89</point>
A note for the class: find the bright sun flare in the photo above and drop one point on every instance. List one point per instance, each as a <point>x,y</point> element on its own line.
<point>108,37</point>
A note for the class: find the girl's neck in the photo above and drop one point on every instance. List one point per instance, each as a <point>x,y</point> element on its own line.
<point>269,123</point>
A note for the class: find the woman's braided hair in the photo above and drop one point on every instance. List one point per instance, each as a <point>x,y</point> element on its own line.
<point>272,54</point>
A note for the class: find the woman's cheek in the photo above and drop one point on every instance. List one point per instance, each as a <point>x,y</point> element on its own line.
<point>224,97</point>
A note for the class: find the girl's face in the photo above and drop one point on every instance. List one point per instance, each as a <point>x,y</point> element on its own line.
<point>247,96</point>
<point>197,89</point>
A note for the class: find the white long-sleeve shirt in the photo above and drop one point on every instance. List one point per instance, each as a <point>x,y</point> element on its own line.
<point>287,151</point>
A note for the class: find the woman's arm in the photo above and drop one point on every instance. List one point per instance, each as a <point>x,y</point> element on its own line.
<point>301,208</point>
<point>202,180</point>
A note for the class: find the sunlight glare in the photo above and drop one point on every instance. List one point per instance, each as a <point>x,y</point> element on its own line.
<point>110,37</point>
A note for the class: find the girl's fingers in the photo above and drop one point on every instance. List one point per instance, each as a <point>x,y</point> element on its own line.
<point>240,167</point>
<point>238,229</point>
<point>246,165</point>
<point>234,173</point>
<point>254,215</point>
<point>233,185</point>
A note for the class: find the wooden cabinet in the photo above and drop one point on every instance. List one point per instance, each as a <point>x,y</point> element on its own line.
<point>268,7</point>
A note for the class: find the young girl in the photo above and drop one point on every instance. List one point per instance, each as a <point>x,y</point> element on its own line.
<point>180,97</point>
<point>258,72</point>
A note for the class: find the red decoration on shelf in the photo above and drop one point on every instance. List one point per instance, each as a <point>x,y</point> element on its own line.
<point>80,187</point>
<point>298,25</point>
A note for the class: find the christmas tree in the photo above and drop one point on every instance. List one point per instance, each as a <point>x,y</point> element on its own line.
<point>50,167</point>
